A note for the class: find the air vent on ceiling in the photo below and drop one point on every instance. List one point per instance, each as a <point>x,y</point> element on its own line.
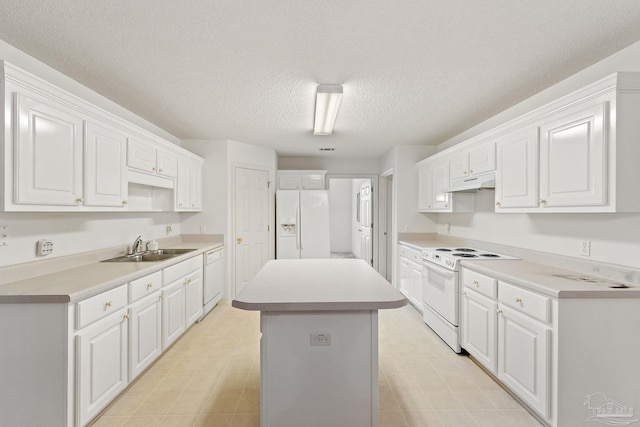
<point>327,149</point>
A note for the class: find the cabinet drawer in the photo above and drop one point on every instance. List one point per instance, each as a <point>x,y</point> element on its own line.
<point>410,254</point>
<point>480,283</point>
<point>177,271</point>
<point>527,302</point>
<point>144,286</point>
<point>99,306</point>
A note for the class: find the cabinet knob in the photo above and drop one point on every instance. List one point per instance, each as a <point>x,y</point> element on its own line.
<point>475,282</point>
<point>464,293</point>
<point>239,240</point>
<point>160,296</point>
<point>465,173</point>
<point>107,304</point>
<point>160,170</point>
<point>498,203</point>
<point>519,300</point>
<point>470,171</point>
<point>500,312</point>
<point>125,316</point>
<point>543,202</point>
<point>154,169</point>
<point>124,203</point>
<point>149,285</point>
<point>79,200</point>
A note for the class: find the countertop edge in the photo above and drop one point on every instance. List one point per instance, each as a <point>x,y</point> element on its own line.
<point>319,306</point>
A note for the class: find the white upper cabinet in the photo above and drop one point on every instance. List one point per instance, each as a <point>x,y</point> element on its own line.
<point>517,170</point>
<point>48,152</point>
<point>433,179</point>
<point>473,161</point>
<point>148,157</point>
<point>189,185</point>
<point>105,163</point>
<point>576,154</point>
<point>573,150</point>
<point>301,179</point>
<point>62,153</point>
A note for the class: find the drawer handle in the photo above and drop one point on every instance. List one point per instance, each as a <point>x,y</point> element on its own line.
<point>125,316</point>
<point>519,300</point>
<point>464,293</point>
<point>149,285</point>
<point>107,304</point>
<point>475,282</point>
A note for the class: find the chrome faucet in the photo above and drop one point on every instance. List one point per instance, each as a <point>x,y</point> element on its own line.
<point>137,246</point>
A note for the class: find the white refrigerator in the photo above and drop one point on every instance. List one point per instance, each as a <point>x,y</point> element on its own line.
<point>302,224</point>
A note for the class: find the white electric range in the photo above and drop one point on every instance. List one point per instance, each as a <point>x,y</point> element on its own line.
<point>441,288</point>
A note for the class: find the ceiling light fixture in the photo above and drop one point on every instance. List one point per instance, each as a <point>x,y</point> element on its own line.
<point>328,99</point>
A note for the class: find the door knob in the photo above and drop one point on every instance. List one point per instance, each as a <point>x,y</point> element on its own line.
<point>239,240</point>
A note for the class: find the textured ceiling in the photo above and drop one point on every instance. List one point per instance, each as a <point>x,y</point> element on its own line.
<point>414,71</point>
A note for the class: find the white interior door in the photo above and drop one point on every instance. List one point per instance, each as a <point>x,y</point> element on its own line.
<point>366,250</point>
<point>251,224</point>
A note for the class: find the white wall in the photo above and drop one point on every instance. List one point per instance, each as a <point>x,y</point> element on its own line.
<point>340,214</point>
<point>215,188</point>
<point>615,238</point>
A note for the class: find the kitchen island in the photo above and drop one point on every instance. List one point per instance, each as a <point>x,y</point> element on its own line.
<point>319,346</point>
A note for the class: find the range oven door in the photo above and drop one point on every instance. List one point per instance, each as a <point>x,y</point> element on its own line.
<point>440,291</point>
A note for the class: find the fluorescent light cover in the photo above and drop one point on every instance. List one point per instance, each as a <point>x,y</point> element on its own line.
<point>328,100</point>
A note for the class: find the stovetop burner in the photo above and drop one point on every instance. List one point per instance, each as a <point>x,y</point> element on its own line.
<point>465,250</point>
<point>490,255</point>
<point>450,257</point>
<point>443,250</point>
<point>463,255</point>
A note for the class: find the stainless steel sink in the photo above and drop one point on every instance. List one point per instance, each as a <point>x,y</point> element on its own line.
<point>159,255</point>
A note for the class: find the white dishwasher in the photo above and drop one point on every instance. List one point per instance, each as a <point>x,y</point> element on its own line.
<point>213,279</point>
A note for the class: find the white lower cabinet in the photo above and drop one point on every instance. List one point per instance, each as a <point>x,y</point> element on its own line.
<point>479,328</point>
<point>101,365</point>
<point>524,358</point>
<point>145,333</point>
<point>410,275</point>
<point>173,312</point>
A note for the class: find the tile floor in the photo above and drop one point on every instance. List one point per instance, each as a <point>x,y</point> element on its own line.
<point>211,378</point>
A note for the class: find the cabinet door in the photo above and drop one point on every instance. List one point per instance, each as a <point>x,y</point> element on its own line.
<point>105,178</point>
<point>415,285</point>
<point>196,185</point>
<point>166,163</point>
<point>145,334</point>
<point>313,182</point>
<point>573,158</point>
<point>480,328</point>
<point>440,181</point>
<point>193,298</point>
<point>403,276</point>
<point>48,152</point>
<point>459,166</point>
<point>289,182</point>
<point>517,171</point>
<point>183,184</point>
<point>101,365</point>
<point>423,187</point>
<point>173,312</point>
<point>141,155</point>
<point>482,158</point>
<point>523,358</point>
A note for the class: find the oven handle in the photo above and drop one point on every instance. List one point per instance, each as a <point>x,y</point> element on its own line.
<point>441,270</point>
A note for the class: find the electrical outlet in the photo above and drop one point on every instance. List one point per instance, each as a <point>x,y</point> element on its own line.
<point>4,235</point>
<point>203,229</point>
<point>45,247</point>
<point>320,339</point>
<point>585,248</point>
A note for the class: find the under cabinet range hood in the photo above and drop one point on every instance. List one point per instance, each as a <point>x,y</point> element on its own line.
<point>472,184</point>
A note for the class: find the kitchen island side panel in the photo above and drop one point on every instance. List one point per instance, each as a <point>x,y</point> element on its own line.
<point>34,367</point>
<point>319,385</point>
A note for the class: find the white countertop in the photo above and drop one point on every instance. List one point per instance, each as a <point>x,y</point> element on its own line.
<point>551,281</point>
<point>548,280</point>
<point>77,283</point>
<point>318,285</point>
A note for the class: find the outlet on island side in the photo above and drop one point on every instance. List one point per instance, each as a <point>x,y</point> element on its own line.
<point>320,339</point>
<point>585,248</point>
